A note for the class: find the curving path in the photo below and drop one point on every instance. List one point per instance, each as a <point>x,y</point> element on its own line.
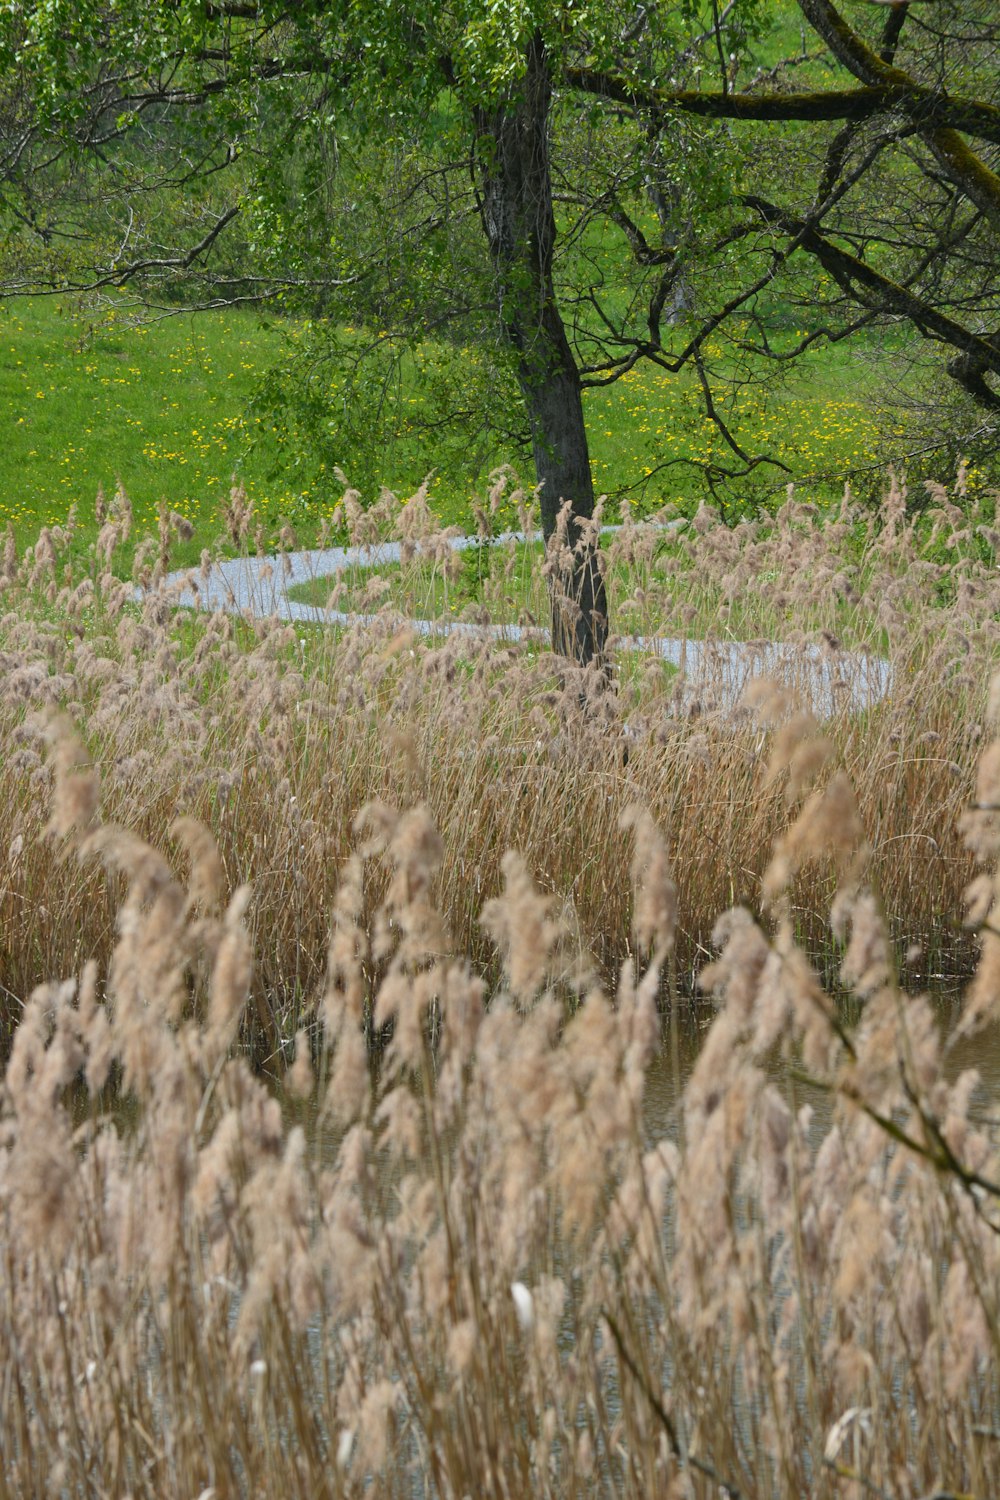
<point>719,669</point>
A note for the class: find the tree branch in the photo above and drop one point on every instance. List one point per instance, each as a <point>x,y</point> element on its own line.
<point>929,108</point>
<point>939,128</point>
<point>852,274</point>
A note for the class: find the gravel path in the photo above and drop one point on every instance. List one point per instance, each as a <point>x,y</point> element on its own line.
<point>719,669</point>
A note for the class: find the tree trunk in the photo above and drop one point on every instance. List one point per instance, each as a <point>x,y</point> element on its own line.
<point>515,201</point>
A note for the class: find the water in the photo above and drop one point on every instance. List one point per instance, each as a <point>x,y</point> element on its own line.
<point>682,1040</point>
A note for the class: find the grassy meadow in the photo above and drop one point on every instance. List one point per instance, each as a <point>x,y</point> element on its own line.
<point>89,396</point>
<point>94,393</point>
<point>338,967</point>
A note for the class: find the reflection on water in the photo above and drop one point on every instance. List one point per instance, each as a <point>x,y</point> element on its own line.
<point>683,1037</point>
<point>684,1034</point>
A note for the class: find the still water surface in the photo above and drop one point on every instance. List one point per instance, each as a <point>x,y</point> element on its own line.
<point>683,1040</point>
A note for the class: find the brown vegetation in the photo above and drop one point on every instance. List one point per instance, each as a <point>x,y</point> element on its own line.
<point>482,1273</point>
<point>483,1268</point>
<point>274,737</point>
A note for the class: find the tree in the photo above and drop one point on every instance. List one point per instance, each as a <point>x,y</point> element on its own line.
<point>572,186</point>
<point>131,104</point>
<point>893,196</point>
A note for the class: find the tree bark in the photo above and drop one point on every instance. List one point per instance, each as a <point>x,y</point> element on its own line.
<point>515,201</point>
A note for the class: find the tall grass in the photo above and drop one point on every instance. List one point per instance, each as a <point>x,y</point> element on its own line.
<point>478,1272</point>
<point>479,1267</point>
<point>274,737</point>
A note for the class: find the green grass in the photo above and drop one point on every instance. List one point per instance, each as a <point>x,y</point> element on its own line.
<point>652,427</point>
<point>428,591</point>
<point>91,396</point>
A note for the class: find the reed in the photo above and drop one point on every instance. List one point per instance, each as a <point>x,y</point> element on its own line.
<point>478,1270</point>
<point>274,737</point>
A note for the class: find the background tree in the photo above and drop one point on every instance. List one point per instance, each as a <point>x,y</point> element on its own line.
<point>874,202</point>
<point>563,190</point>
<point>137,108</point>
